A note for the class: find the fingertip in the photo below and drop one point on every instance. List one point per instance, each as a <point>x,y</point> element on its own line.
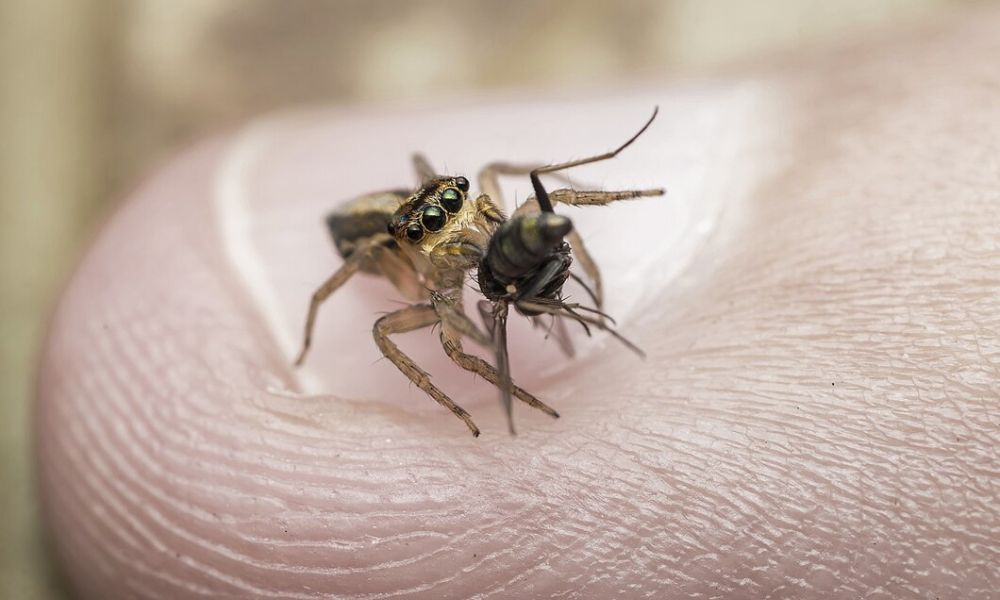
<point>181,454</point>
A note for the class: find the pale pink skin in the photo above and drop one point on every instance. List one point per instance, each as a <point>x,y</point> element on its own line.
<point>176,460</point>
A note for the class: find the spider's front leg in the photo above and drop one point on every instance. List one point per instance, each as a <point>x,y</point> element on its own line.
<point>408,319</point>
<point>489,177</point>
<point>454,325</point>
<point>422,166</point>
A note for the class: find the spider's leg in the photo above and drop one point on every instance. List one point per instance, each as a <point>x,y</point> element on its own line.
<point>407,319</point>
<point>425,172</point>
<point>452,330</point>
<point>489,177</point>
<point>351,266</point>
<point>543,196</point>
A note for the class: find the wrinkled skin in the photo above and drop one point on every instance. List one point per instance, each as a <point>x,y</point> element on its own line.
<point>817,416</point>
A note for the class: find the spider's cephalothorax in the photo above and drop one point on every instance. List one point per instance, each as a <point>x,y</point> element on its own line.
<point>428,241</point>
<point>443,230</point>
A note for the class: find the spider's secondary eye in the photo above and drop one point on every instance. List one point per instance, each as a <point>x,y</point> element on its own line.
<point>451,200</point>
<point>462,183</point>
<point>414,232</point>
<point>433,218</point>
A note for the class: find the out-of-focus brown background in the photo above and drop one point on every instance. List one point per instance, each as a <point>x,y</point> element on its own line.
<point>95,92</point>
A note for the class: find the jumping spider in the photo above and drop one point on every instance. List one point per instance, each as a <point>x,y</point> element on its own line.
<point>428,241</point>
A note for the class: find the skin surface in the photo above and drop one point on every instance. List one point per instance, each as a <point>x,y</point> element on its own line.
<point>817,416</point>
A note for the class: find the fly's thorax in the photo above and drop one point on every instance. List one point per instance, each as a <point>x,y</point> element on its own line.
<point>527,252</point>
<point>523,243</point>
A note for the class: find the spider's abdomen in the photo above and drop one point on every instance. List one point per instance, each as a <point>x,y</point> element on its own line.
<point>362,218</point>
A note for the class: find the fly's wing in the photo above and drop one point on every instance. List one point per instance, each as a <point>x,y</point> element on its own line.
<point>499,318</point>
<point>495,319</point>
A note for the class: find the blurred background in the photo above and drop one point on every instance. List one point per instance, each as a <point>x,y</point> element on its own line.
<point>95,93</point>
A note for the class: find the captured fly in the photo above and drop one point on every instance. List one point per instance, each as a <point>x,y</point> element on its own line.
<point>528,261</point>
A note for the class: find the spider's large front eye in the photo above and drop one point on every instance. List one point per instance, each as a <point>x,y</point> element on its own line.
<point>433,218</point>
<point>414,232</point>
<point>451,200</point>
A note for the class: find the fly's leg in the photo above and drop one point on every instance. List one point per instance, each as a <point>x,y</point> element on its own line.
<point>557,329</point>
<point>573,311</point>
<point>455,324</point>
<point>407,319</point>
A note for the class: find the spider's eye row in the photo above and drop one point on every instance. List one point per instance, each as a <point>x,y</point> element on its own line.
<point>462,183</point>
<point>451,200</point>
<point>414,232</point>
<point>433,218</point>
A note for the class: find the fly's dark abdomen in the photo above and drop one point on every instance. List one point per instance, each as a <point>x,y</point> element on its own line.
<point>527,257</point>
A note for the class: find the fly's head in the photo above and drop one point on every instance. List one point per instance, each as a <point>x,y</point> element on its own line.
<point>441,228</point>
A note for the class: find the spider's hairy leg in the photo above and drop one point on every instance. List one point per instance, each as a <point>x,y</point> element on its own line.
<point>407,319</point>
<point>425,172</point>
<point>489,177</point>
<point>452,330</point>
<point>351,266</point>
<point>572,197</point>
<point>543,196</point>
<point>372,251</point>
<point>450,311</point>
